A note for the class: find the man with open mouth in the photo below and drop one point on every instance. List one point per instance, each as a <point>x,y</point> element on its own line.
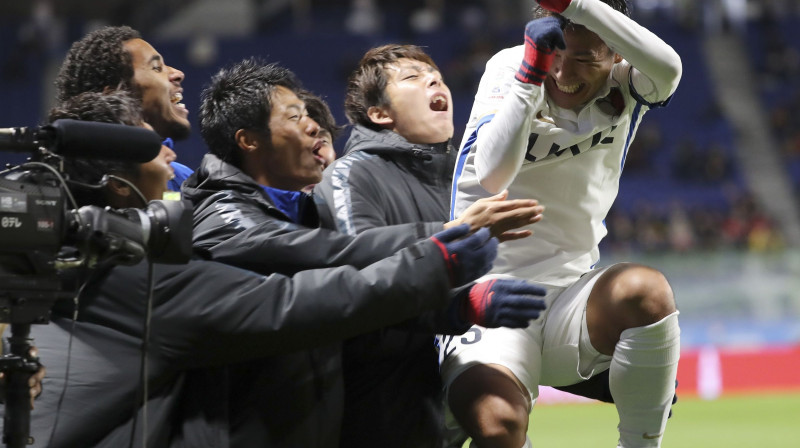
<point>396,171</point>
<point>116,57</point>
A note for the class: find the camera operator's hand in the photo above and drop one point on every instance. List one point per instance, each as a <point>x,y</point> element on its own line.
<point>34,382</point>
<point>467,256</point>
<point>37,379</point>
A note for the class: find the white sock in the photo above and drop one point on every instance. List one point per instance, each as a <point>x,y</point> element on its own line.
<point>642,381</point>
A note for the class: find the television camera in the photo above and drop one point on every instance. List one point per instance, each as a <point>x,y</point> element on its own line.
<point>45,237</point>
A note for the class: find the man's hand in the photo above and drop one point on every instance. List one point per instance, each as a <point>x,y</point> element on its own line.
<point>467,256</point>
<point>542,37</point>
<point>557,6</point>
<point>34,382</point>
<point>501,216</point>
<point>503,303</point>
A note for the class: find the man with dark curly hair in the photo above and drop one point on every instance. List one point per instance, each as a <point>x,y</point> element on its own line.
<point>118,58</point>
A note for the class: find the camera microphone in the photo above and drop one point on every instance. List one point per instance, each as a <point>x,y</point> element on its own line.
<point>85,139</point>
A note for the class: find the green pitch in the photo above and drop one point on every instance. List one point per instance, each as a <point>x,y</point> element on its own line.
<point>747,421</point>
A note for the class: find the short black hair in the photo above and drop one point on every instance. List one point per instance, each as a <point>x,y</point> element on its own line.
<point>617,5</point>
<point>112,107</point>
<point>96,62</point>
<point>320,112</point>
<point>240,97</point>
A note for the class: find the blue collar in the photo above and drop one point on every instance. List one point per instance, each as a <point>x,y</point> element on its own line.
<point>289,202</point>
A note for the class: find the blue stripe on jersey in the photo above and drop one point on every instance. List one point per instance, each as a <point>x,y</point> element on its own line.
<point>462,159</point>
<point>639,99</point>
<point>636,116</point>
<point>340,183</point>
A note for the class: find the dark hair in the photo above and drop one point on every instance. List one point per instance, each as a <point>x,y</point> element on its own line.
<point>112,107</point>
<point>618,5</point>
<point>240,97</point>
<point>367,85</point>
<point>97,61</point>
<point>319,111</point>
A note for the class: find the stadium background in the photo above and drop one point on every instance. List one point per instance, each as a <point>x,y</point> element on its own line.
<point>710,188</point>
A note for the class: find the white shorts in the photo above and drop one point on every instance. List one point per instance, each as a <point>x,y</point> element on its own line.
<point>554,350</point>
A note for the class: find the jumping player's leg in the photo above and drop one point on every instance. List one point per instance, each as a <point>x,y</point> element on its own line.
<point>492,376</point>
<point>491,379</point>
<point>631,315</point>
<point>491,405</point>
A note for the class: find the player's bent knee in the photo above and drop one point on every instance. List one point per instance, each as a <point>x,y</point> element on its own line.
<point>491,406</point>
<point>630,295</point>
<point>651,298</point>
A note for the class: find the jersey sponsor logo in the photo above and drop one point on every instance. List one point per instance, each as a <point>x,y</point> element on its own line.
<point>556,150</point>
<point>496,93</point>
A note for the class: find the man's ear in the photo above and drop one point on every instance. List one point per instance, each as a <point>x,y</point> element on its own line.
<point>246,140</point>
<point>380,116</point>
<point>118,188</point>
<point>617,58</point>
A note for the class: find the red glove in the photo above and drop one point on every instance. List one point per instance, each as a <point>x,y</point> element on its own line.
<point>503,303</point>
<point>557,6</point>
<point>467,256</point>
<point>542,37</point>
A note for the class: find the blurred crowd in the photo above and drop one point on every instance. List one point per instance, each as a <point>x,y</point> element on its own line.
<point>779,76</point>
<point>738,225</point>
<point>738,222</point>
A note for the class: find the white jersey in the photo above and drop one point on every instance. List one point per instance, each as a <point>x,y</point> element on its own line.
<point>571,162</point>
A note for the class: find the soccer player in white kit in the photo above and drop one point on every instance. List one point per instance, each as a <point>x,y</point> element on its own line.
<point>553,120</point>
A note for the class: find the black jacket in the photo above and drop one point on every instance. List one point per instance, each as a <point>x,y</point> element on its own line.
<point>235,222</point>
<point>294,399</point>
<point>205,314</point>
<point>392,386</point>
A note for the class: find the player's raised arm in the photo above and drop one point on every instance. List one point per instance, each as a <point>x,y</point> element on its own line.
<point>502,142</point>
<point>657,67</point>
